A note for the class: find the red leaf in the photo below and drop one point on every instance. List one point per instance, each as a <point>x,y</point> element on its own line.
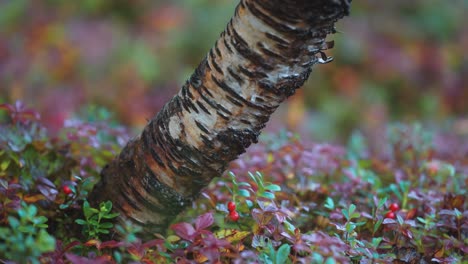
<point>152,243</point>
<point>7,107</point>
<point>74,259</point>
<point>111,244</point>
<point>407,233</point>
<point>93,242</point>
<point>204,221</point>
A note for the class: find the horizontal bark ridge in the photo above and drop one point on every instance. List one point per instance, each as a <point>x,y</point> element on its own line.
<point>265,54</point>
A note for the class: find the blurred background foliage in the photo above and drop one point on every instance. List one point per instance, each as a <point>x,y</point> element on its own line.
<point>394,60</point>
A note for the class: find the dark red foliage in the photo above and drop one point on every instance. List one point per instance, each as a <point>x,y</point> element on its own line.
<point>188,232</point>
<point>19,113</point>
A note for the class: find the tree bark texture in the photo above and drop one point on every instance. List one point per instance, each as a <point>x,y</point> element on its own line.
<point>265,54</point>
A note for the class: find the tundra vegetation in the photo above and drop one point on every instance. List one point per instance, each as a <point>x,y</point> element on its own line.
<point>394,193</point>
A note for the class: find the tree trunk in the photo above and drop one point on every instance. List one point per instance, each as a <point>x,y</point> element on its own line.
<point>265,54</point>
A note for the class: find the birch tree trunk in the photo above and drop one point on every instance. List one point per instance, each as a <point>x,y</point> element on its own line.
<point>265,54</point>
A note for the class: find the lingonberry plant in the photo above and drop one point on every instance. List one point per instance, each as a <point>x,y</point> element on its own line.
<point>284,201</point>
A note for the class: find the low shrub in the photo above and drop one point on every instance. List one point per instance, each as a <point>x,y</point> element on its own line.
<point>284,201</point>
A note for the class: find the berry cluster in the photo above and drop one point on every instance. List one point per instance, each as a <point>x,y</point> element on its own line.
<point>233,214</point>
<point>393,208</point>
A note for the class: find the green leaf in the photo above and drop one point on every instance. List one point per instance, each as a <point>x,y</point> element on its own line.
<point>404,186</point>
<point>267,195</point>
<point>103,231</point>
<point>31,211</point>
<point>40,220</point>
<point>273,188</point>
<point>26,229</point>
<point>4,165</point>
<point>329,204</point>
<point>80,221</point>
<point>377,225</point>
<point>87,210</point>
<point>106,206</point>
<point>45,242</point>
<point>253,178</point>
<point>317,258</point>
<point>106,225</point>
<point>422,220</point>
<point>382,202</point>
<point>350,226</point>
<point>14,223</point>
<point>355,215</point>
<point>110,216</point>
<point>283,254</point>
<point>245,184</point>
<point>290,227</point>
<point>93,221</point>
<point>396,191</point>
<point>376,241</point>
<point>243,193</point>
<point>351,210</point>
<point>345,213</point>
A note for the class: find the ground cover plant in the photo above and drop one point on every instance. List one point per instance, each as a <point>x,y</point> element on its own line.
<point>383,192</point>
<point>284,201</point>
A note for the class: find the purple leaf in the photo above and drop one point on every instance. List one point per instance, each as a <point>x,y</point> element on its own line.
<point>152,243</point>
<point>84,260</point>
<point>388,221</point>
<point>184,230</point>
<point>204,221</point>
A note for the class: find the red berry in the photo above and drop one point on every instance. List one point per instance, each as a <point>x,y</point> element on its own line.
<point>390,215</point>
<point>234,216</point>
<point>67,190</point>
<point>394,207</point>
<point>231,206</point>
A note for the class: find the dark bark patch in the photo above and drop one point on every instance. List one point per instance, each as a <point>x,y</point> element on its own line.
<point>235,75</point>
<point>214,63</point>
<point>245,121</point>
<point>222,108</point>
<point>174,202</point>
<point>268,19</point>
<point>216,48</point>
<point>277,39</point>
<point>208,100</point>
<point>205,90</point>
<point>208,143</point>
<point>243,49</point>
<point>236,141</point>
<point>222,116</point>
<point>270,53</point>
<point>201,127</point>
<point>202,107</point>
<point>226,44</point>
<point>252,74</point>
<point>234,101</point>
<point>148,145</point>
